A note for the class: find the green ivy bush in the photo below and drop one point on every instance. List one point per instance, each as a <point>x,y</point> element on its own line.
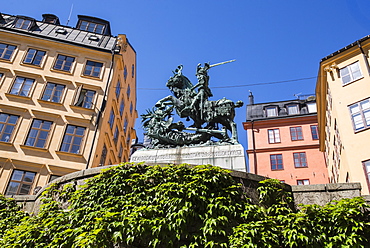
<point>179,206</point>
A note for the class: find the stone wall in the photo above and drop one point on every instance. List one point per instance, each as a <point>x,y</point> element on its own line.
<point>305,194</point>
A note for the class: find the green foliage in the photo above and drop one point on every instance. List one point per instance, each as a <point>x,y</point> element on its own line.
<point>179,206</point>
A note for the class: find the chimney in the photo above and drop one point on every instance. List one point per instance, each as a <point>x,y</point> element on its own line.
<point>251,98</point>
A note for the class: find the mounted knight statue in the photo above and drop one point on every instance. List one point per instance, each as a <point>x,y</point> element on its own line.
<point>213,121</point>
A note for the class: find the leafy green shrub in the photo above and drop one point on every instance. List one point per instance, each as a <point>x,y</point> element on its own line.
<point>179,206</point>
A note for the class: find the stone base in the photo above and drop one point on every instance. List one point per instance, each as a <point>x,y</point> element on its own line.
<point>224,156</point>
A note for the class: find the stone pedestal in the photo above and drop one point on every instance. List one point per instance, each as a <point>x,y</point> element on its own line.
<point>224,156</point>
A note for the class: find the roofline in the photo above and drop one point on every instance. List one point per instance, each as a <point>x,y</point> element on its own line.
<point>345,48</point>
<point>13,31</point>
<point>272,103</point>
<point>282,117</point>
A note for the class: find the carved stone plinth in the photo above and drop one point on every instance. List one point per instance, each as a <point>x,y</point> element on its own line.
<point>224,156</point>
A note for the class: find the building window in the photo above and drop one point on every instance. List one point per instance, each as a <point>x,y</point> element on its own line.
<point>312,108</point>
<point>93,68</point>
<point>120,150</point>
<point>121,107</point>
<point>22,86</point>
<point>64,63</point>
<point>131,108</point>
<point>296,133</point>
<point>128,91</point>
<point>7,125</point>
<point>85,98</point>
<point>92,27</point>
<point>6,51</point>
<point>39,133</point>
<point>360,113</point>
<point>125,125</point>
<point>125,73</point>
<point>23,24</point>
<point>118,89</point>
<point>53,92</point>
<point>293,109</point>
<point>111,119</point>
<point>274,135</point>
<point>350,73</point>
<point>20,183</point>
<point>315,132</point>
<point>300,159</point>
<point>103,156</point>
<point>366,165</point>
<point>128,140</point>
<point>115,135</point>
<point>72,139</point>
<point>276,161</point>
<point>271,111</point>
<point>34,57</point>
<point>303,182</point>
<point>133,71</point>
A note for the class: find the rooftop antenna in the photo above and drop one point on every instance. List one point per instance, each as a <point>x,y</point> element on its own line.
<point>70,13</point>
<point>297,95</point>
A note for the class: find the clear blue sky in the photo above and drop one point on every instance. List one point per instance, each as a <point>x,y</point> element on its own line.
<point>271,41</point>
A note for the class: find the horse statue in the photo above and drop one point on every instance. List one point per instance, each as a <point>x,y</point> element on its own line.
<point>195,105</point>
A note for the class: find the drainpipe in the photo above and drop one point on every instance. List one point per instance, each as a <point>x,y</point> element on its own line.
<point>254,149</point>
<point>364,56</point>
<point>104,103</point>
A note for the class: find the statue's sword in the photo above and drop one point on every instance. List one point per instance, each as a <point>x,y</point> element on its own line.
<point>222,63</point>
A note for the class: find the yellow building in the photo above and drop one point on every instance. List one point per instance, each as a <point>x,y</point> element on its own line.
<point>67,99</point>
<point>343,100</point>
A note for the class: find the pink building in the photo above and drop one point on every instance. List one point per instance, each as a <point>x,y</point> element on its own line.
<point>283,141</point>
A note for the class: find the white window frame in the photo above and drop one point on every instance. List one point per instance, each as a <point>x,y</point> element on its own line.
<point>273,135</point>
<point>360,114</point>
<point>350,72</point>
<point>271,111</point>
<point>293,109</point>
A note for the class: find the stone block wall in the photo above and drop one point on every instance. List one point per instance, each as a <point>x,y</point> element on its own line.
<point>305,194</point>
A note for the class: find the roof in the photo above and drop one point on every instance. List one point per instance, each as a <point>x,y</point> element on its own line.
<point>257,111</point>
<point>356,43</point>
<point>60,33</point>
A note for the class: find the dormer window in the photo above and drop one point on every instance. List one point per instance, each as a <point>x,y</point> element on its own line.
<point>92,27</point>
<point>293,109</point>
<point>271,111</point>
<point>50,18</point>
<point>24,23</point>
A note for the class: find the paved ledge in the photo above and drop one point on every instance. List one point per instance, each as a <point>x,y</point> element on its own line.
<point>326,187</point>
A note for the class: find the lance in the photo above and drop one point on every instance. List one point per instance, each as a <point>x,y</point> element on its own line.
<point>229,61</point>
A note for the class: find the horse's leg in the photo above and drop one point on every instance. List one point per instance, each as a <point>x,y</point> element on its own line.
<point>234,133</point>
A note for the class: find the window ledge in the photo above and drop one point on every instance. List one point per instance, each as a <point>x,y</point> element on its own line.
<point>343,85</point>
<point>299,167</point>
<point>50,102</point>
<point>91,77</point>
<point>6,143</point>
<point>69,154</point>
<point>34,148</point>
<point>362,130</point>
<point>10,61</point>
<point>61,71</point>
<point>82,108</point>
<point>277,169</point>
<point>17,96</point>
<point>32,65</point>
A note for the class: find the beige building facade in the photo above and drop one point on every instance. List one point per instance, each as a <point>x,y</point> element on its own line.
<point>343,100</point>
<point>67,99</point>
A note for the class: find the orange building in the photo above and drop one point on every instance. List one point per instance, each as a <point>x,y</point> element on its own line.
<point>67,99</point>
<point>283,141</point>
